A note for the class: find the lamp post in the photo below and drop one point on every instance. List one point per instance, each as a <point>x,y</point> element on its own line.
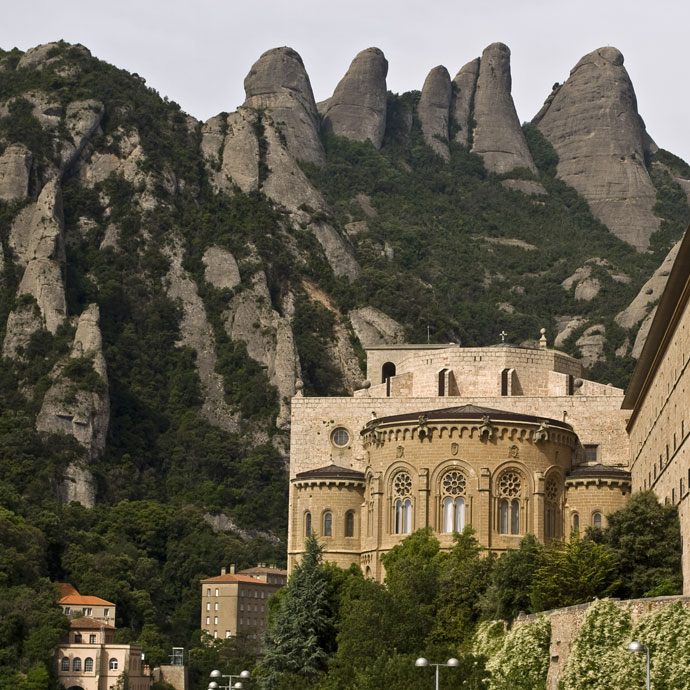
<point>213,685</point>
<point>451,663</point>
<point>635,646</point>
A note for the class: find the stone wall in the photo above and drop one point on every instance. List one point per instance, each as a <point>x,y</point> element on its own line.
<point>566,623</point>
<point>660,448</point>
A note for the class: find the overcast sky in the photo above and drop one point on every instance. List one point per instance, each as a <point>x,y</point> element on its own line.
<point>198,53</point>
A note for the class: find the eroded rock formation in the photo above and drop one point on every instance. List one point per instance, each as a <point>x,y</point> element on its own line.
<point>464,85</point>
<point>593,123</point>
<point>434,110</point>
<point>357,108</point>
<point>278,82</point>
<point>497,135</point>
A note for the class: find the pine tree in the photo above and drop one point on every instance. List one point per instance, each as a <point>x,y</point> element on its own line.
<point>296,642</point>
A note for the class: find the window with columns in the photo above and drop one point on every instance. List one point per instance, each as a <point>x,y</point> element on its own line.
<point>509,502</point>
<point>453,501</point>
<point>402,503</point>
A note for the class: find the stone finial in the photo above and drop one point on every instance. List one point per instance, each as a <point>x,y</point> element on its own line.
<point>299,388</point>
<point>542,340</point>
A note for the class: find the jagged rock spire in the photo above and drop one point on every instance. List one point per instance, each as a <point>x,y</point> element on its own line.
<point>593,123</point>
<point>434,110</point>
<point>357,108</point>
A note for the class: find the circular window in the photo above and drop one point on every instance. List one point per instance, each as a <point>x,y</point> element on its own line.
<point>340,437</point>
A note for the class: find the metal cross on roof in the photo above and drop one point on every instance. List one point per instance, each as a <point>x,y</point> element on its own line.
<point>503,335</point>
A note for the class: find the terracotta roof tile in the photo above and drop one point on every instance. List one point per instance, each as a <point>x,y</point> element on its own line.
<point>86,623</point>
<point>80,600</point>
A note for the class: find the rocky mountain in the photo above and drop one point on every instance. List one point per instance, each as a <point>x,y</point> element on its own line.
<point>286,235</point>
<point>168,285</point>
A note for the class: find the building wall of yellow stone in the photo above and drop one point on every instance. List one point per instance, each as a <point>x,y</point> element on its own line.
<point>587,497</point>
<point>660,447</point>
<point>539,382</point>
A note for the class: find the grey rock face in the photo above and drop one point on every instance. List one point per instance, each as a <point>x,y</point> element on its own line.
<point>434,110</point>
<point>357,108</point>
<point>268,337</point>
<point>593,123</point>
<point>231,147</point>
<point>196,332</point>
<point>642,334</point>
<point>464,85</point>
<point>279,82</point>
<point>37,239</point>
<point>222,270</point>
<point>68,408</point>
<point>650,293</point>
<point>15,168</point>
<point>497,135</point>
<point>83,119</point>
<point>591,344</point>
<point>373,327</point>
<point>529,187</point>
<point>565,327</point>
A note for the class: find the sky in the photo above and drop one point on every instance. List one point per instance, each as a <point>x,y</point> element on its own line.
<point>198,53</point>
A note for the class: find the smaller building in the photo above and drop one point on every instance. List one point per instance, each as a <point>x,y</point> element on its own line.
<point>89,659</point>
<point>75,605</point>
<point>236,603</point>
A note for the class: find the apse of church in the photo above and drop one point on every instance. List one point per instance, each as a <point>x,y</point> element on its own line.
<point>510,440</point>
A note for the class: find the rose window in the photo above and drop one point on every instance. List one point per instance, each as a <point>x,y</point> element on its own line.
<point>510,484</point>
<point>402,484</point>
<point>454,484</point>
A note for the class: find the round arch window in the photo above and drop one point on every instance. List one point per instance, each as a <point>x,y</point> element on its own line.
<point>340,437</point>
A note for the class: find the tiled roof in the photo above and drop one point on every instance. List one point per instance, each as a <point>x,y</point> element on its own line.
<point>66,589</point>
<point>80,600</point>
<point>331,472</point>
<point>235,578</point>
<point>473,412</point>
<point>262,570</point>
<point>584,471</point>
<point>86,623</point>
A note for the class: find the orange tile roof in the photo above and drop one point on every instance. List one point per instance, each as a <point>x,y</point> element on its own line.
<point>265,570</point>
<point>235,578</point>
<point>86,623</point>
<point>66,589</point>
<point>80,600</point>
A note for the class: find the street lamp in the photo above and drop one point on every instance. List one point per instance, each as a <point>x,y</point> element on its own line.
<point>635,646</point>
<point>451,663</point>
<point>213,685</point>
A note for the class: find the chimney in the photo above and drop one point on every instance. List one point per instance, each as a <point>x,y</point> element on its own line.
<point>222,570</point>
<point>232,569</point>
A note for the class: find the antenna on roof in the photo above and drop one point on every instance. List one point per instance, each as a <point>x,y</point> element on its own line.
<point>427,335</point>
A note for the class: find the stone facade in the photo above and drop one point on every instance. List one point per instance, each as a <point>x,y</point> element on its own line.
<point>659,398</point>
<point>236,604</point>
<point>506,439</point>
<point>566,623</point>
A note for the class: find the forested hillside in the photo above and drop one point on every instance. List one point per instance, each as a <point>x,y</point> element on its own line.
<point>165,283</point>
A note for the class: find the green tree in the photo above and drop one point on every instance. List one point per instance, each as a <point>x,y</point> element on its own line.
<point>412,578</point>
<point>645,536</point>
<point>462,582</point>
<point>296,642</point>
<point>573,572</point>
<point>511,577</point>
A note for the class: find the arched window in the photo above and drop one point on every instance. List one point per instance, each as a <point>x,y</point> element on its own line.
<point>510,492</point>
<point>349,524</point>
<point>76,664</point>
<point>307,524</point>
<point>596,519</point>
<point>551,508</point>
<point>64,665</point>
<point>402,504</point>
<point>113,665</point>
<point>328,524</point>
<point>576,522</point>
<point>88,664</point>
<point>387,372</point>
<point>453,490</point>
